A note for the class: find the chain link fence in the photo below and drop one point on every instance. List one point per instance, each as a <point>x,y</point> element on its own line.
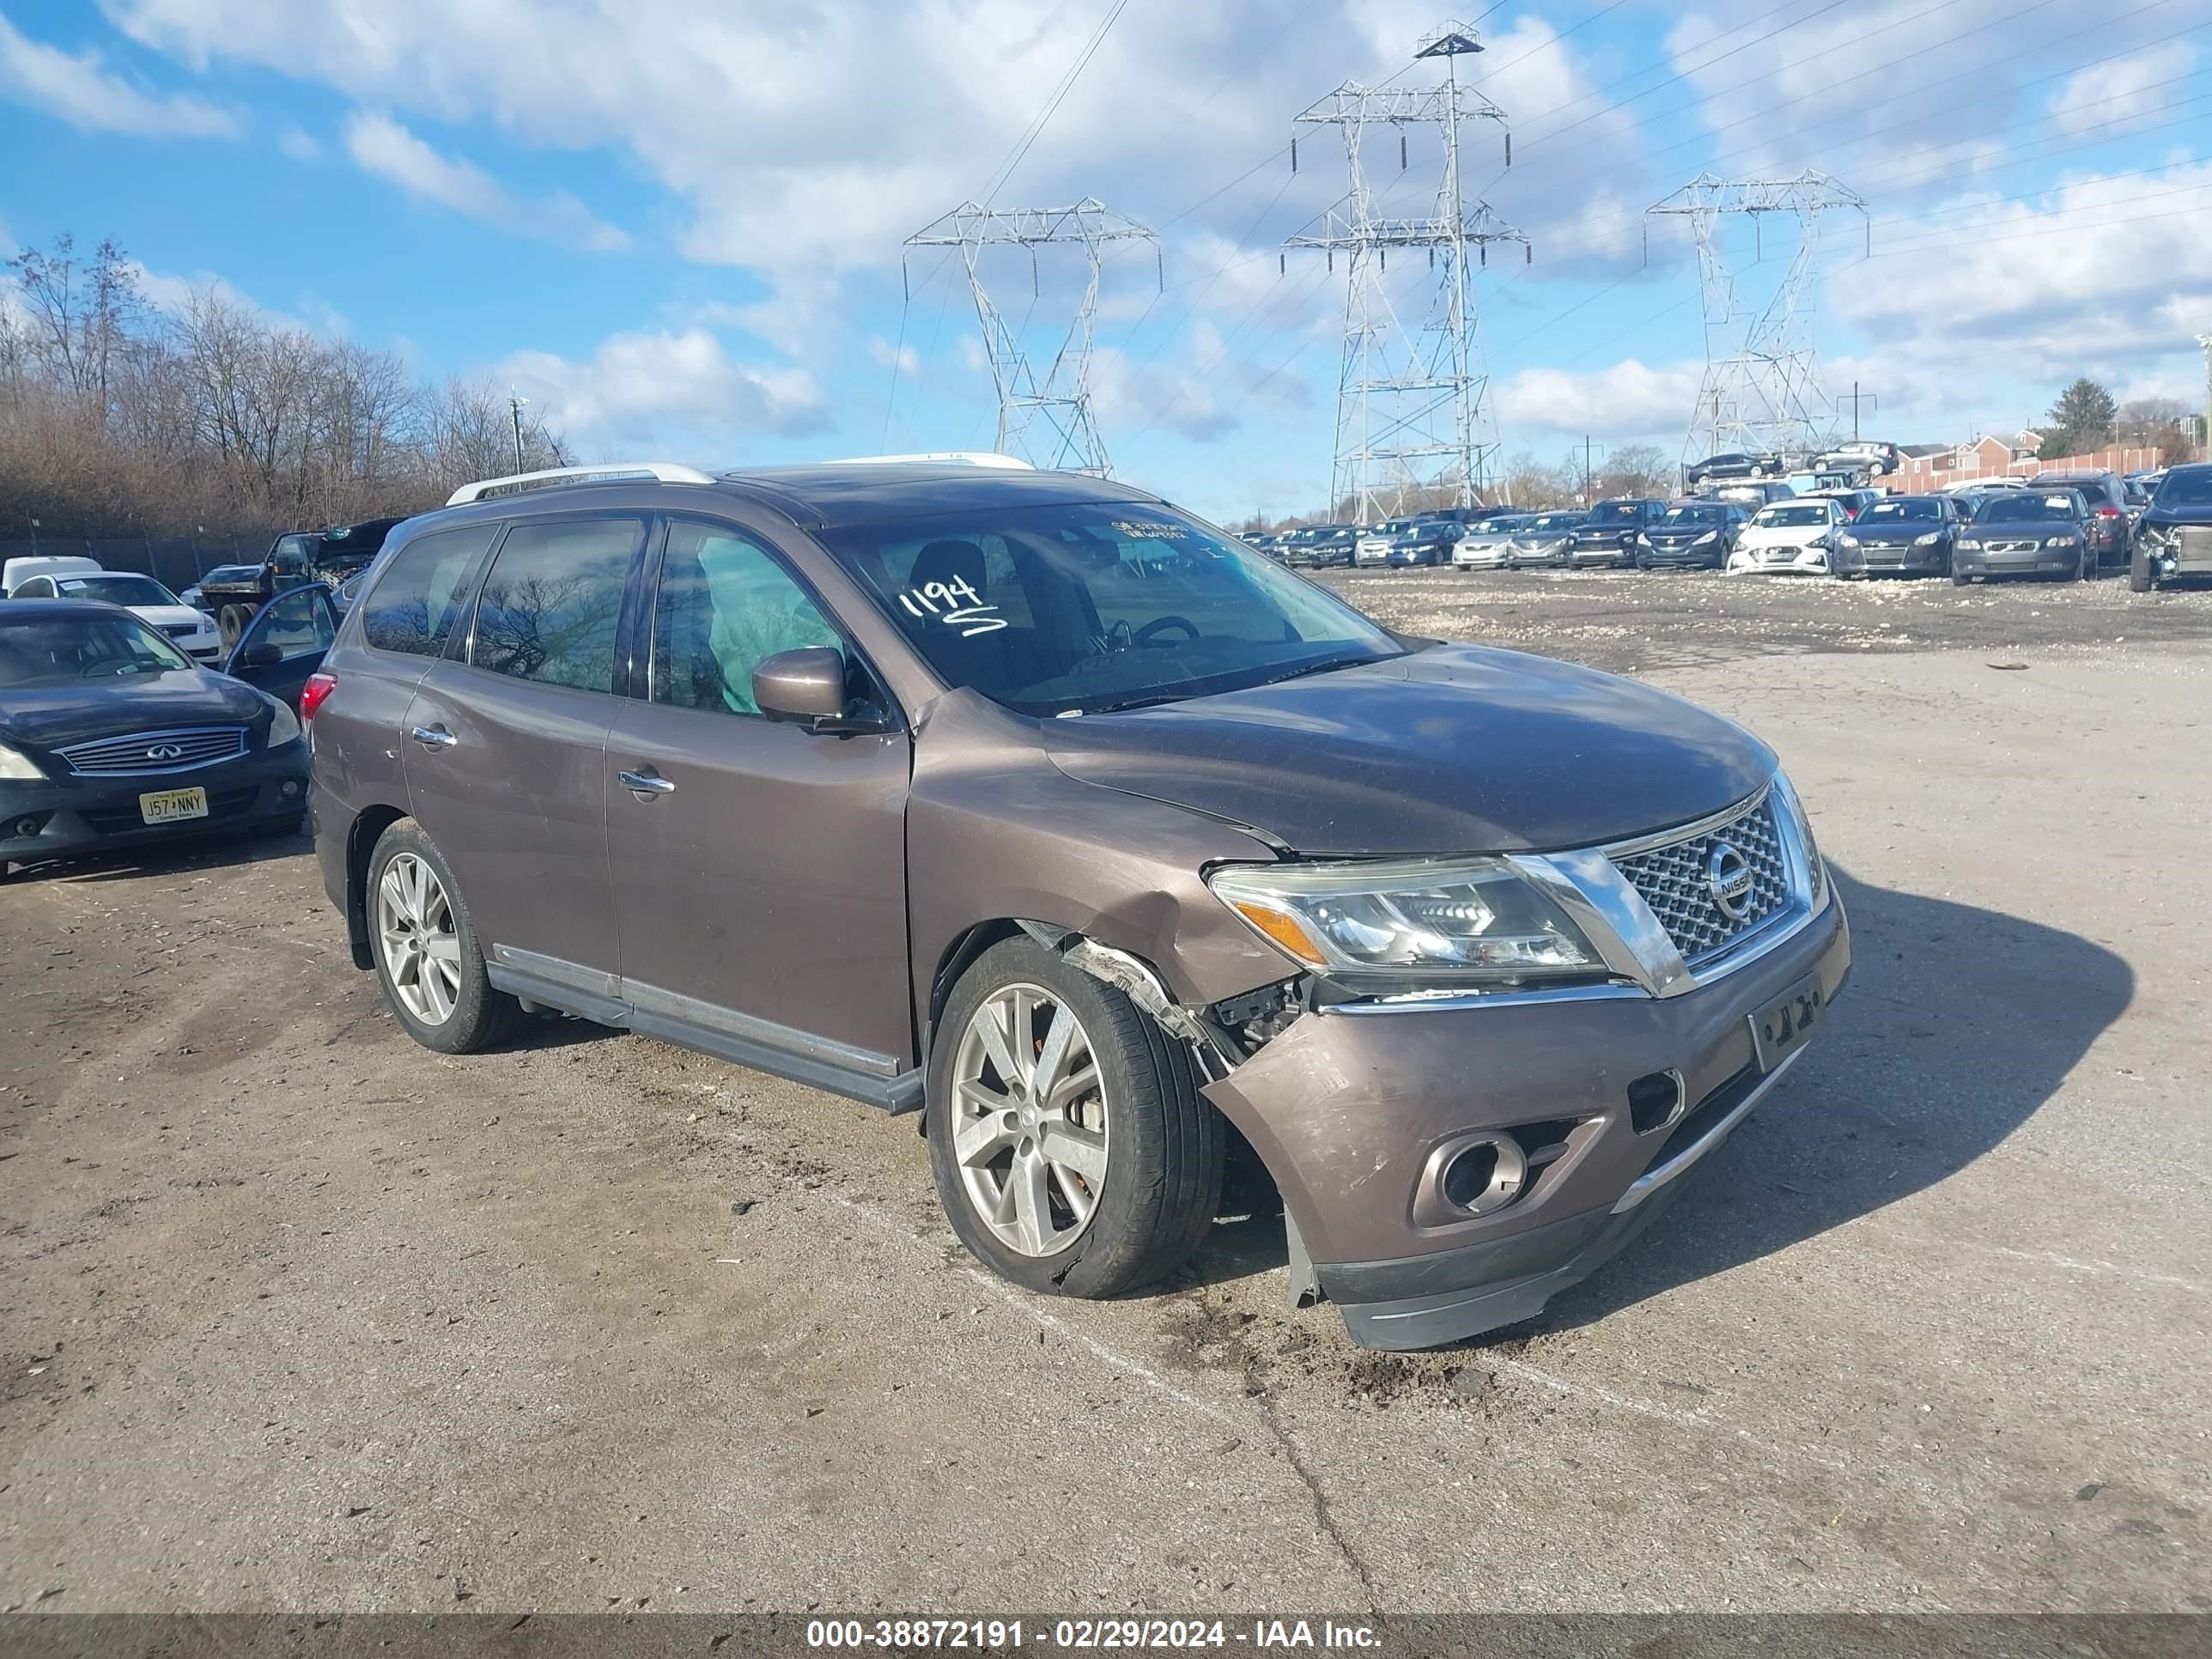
<point>175,562</point>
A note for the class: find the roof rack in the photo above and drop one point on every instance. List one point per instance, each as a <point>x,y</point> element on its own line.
<point>941,458</point>
<point>554,478</point>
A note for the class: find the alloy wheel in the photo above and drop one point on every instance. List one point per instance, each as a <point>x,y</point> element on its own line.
<point>1029,1119</point>
<point>422,948</point>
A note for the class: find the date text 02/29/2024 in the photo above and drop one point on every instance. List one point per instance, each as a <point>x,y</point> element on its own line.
<point>1090,1635</point>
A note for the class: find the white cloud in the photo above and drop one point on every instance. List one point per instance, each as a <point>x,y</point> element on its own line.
<point>2120,96</point>
<point>2092,269</point>
<point>905,358</point>
<point>663,389</point>
<point>382,146</point>
<point>1200,390</point>
<point>1629,399</point>
<point>79,88</point>
<point>298,145</point>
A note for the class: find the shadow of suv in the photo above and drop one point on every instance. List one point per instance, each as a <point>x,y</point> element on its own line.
<point>1026,800</point>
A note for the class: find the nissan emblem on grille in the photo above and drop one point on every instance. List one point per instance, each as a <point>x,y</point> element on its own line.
<point>1727,876</point>
<point>1712,888</point>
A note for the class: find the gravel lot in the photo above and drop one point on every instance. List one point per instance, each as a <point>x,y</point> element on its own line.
<point>297,1315</point>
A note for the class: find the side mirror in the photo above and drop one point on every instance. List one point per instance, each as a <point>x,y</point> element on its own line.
<point>262,655</point>
<point>806,687</point>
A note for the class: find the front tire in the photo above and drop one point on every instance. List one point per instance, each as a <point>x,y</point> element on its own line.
<point>428,958</point>
<point>1071,1149</point>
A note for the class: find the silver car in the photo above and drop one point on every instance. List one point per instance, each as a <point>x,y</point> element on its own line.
<point>1548,539</point>
<point>1488,543</point>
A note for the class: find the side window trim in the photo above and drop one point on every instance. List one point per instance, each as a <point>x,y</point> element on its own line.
<point>643,667</point>
<point>460,643</point>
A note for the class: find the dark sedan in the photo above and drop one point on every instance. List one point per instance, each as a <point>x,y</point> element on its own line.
<point>1319,547</point>
<point>110,736</point>
<point>1607,536</point>
<point>1694,535</point>
<point>2173,537</point>
<point>1900,535</point>
<point>1736,466</point>
<point>2106,498</point>
<point>2027,532</point>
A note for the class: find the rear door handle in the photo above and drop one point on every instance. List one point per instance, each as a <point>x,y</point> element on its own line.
<point>433,737</point>
<point>647,783</point>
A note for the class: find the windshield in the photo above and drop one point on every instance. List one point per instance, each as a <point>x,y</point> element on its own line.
<point>1555,521</point>
<point>116,590</point>
<point>1097,605</point>
<point>1897,512</point>
<point>1797,513</point>
<point>1613,512</point>
<point>53,649</point>
<point>1399,526</point>
<point>2191,486</point>
<point>1497,526</point>
<point>1681,517</point>
<point>2020,507</point>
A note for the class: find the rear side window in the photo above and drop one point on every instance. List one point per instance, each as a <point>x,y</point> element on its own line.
<point>417,599</point>
<point>552,603</point>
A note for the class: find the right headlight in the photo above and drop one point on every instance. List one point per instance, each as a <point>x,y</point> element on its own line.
<point>1970,546</point>
<point>18,766</point>
<point>1446,921</point>
<point>1792,810</point>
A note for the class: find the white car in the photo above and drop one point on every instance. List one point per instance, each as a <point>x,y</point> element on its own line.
<point>1488,543</point>
<point>24,566</point>
<point>194,632</point>
<point>1789,536</point>
<point>1376,542</point>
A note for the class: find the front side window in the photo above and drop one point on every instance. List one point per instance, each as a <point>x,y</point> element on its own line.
<point>1097,605</point>
<point>61,650</point>
<point>725,605</point>
<point>418,599</point>
<point>553,598</point>
<point>298,623</point>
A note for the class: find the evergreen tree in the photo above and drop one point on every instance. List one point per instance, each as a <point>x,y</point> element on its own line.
<point>2080,422</point>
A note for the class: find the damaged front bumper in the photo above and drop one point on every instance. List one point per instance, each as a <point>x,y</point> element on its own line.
<point>1360,1111</point>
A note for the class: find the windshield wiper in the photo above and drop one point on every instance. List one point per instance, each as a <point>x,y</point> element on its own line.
<point>1327,664</point>
<point>1145,702</point>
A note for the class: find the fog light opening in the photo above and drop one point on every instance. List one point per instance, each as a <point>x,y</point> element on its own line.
<point>1656,1101</point>
<point>291,786</point>
<point>1485,1174</point>
<point>26,828</point>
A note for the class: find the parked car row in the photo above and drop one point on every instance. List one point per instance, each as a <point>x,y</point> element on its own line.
<point>2067,525</point>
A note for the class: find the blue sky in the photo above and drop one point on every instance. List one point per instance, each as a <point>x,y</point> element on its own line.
<point>676,225</point>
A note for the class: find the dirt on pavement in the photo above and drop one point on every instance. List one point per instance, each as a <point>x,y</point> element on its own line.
<point>297,1315</point>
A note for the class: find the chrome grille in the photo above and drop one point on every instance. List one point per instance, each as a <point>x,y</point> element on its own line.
<point>156,751</point>
<point>2012,547</point>
<point>1672,879</point>
<point>180,630</point>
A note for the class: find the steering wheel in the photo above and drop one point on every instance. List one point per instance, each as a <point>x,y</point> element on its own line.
<point>1144,635</point>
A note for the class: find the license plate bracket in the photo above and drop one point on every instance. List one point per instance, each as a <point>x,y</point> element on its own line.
<point>172,805</point>
<point>1788,1022</point>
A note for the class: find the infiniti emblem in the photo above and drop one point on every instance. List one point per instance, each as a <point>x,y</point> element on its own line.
<point>1728,878</point>
<point>165,752</point>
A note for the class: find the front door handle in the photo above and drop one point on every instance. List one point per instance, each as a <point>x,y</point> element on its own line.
<point>647,783</point>
<point>433,737</point>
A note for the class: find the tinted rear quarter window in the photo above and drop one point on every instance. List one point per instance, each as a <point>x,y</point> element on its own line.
<point>553,598</point>
<point>416,600</point>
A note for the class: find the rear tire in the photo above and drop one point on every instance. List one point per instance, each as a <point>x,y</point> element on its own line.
<point>428,958</point>
<point>2140,579</point>
<point>230,622</point>
<point>1140,1186</point>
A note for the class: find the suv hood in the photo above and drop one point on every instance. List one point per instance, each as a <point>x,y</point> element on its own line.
<point>1457,749</point>
<point>48,716</point>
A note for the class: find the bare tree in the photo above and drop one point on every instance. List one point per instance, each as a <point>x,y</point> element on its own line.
<point>119,416</point>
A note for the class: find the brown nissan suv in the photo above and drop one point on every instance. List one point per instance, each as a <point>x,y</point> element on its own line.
<point>1028,802</point>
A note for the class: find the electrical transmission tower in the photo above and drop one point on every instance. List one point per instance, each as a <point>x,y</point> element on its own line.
<point>1412,410</point>
<point>1761,387</point>
<point>1060,399</point>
